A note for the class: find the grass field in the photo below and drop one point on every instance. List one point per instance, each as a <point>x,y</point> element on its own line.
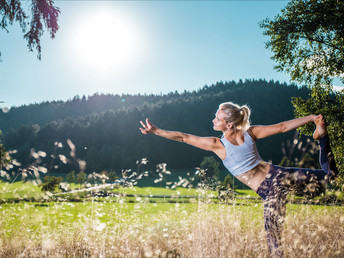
<point>136,223</point>
<point>120,229</point>
<point>29,190</point>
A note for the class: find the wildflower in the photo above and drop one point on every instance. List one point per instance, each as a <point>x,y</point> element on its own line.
<point>42,154</point>
<point>71,144</point>
<point>63,158</point>
<point>34,170</point>
<point>16,163</point>
<point>3,173</point>
<point>9,167</point>
<point>34,154</point>
<point>42,169</point>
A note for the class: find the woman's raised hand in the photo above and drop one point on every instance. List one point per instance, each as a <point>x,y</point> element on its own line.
<point>147,127</point>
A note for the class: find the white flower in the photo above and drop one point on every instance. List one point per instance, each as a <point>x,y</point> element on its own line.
<point>63,158</point>
<point>42,154</point>
<point>43,169</point>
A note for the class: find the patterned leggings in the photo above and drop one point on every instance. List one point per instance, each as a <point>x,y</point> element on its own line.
<point>280,181</point>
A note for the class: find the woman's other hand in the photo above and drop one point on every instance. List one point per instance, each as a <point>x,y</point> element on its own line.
<point>147,127</point>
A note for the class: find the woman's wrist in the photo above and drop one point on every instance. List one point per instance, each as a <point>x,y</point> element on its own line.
<point>157,131</point>
<point>312,118</point>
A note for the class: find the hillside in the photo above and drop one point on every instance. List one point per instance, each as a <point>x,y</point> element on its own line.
<point>104,128</point>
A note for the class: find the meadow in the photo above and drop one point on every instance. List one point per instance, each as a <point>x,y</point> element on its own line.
<point>135,223</point>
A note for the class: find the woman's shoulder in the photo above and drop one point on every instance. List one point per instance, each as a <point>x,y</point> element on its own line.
<point>250,133</point>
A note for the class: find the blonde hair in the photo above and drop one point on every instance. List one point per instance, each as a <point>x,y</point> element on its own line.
<point>238,116</point>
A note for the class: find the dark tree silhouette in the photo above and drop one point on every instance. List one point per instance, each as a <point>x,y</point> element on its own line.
<point>42,14</point>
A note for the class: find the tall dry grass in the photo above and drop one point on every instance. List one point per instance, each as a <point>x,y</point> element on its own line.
<point>173,231</point>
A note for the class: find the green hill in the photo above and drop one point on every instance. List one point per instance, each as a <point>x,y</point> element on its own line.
<point>103,129</point>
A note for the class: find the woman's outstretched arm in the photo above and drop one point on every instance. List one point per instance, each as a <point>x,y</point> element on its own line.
<point>205,143</point>
<point>262,131</point>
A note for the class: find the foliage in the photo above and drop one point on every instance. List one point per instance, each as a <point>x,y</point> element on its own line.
<point>228,182</point>
<point>71,177</point>
<point>81,177</point>
<point>307,40</point>
<point>285,162</point>
<point>306,162</point>
<point>104,131</point>
<point>112,176</point>
<point>211,167</point>
<point>331,106</point>
<point>4,157</point>
<point>42,13</point>
<point>51,183</point>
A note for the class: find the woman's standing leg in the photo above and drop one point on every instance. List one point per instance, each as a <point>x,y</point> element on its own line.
<point>280,181</point>
<point>274,195</point>
<point>274,214</point>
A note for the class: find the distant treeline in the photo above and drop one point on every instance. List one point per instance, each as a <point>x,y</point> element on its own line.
<point>104,128</point>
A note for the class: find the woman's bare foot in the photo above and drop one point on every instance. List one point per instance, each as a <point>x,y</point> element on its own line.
<point>321,128</point>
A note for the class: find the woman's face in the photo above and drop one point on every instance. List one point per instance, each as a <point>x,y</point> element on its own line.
<point>219,122</point>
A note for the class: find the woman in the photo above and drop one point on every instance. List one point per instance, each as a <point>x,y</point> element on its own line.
<point>238,152</point>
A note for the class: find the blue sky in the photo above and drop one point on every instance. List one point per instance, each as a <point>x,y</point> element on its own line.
<point>139,47</point>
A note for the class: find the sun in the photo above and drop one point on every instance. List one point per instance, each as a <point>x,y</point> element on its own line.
<point>105,41</point>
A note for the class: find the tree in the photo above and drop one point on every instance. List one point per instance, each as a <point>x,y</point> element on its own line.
<point>226,189</point>
<point>211,167</point>
<point>81,177</point>
<point>307,40</point>
<point>285,162</point>
<point>4,157</point>
<point>41,12</point>
<point>308,162</point>
<point>112,176</point>
<point>228,182</point>
<point>71,177</point>
<point>115,147</point>
<point>50,183</point>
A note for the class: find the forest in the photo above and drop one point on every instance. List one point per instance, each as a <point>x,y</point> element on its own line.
<point>102,131</point>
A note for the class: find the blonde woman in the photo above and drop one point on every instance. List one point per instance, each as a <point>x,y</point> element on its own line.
<point>238,152</point>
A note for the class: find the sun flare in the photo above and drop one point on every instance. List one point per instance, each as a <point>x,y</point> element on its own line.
<point>106,42</point>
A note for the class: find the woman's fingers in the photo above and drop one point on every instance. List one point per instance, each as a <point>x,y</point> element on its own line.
<point>143,125</point>
<point>146,127</point>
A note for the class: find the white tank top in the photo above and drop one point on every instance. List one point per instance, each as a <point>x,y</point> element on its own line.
<point>241,158</point>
